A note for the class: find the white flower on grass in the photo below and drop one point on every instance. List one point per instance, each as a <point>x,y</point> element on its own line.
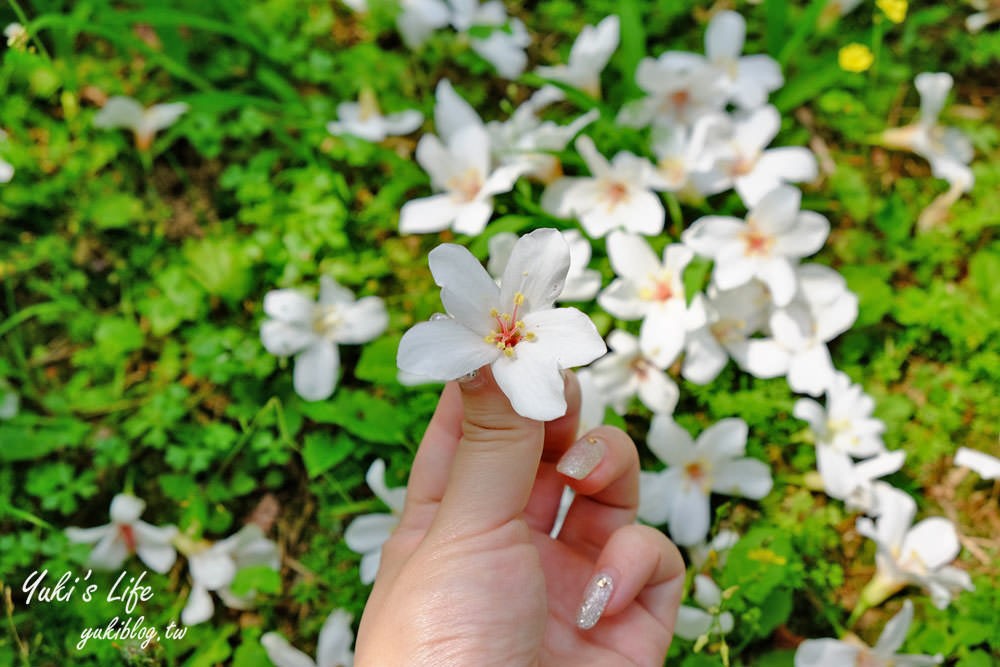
<point>743,162</point>
<point>838,653</point>
<point>679,495</point>
<point>766,246</point>
<point>748,79</point>
<point>987,466</point>
<point>504,49</point>
<point>526,140</point>
<point>989,12</point>
<point>364,119</point>
<point>911,554</point>
<point>513,327</point>
<point>713,552</point>
<point>214,566</point>
<point>686,156</point>
<point>707,618</point>
<point>418,19</point>
<point>651,290</point>
<point>719,325</point>
<point>367,533</point>
<point>616,196</point>
<point>823,309</point>
<point>846,424</point>
<point>947,149</point>
<point>630,368</point>
<point>333,649</point>
<point>460,167</point>
<point>17,36</point>
<point>856,483</point>
<point>126,535</point>
<point>587,58</point>
<point>144,122</point>
<point>312,330</point>
<point>582,283</point>
<point>680,88</point>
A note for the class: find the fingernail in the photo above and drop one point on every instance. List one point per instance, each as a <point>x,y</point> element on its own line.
<point>469,378</point>
<point>581,459</point>
<point>595,598</point>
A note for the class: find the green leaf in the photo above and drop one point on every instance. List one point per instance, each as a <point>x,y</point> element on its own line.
<point>378,361</point>
<point>256,579</point>
<point>221,266</point>
<point>323,451</point>
<point>114,210</point>
<point>362,414</point>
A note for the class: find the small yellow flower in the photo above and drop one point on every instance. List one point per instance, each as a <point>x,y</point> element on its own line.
<point>855,58</point>
<point>894,10</point>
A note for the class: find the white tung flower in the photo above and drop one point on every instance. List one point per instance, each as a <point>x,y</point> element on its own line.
<point>846,424</point>
<point>680,88</point>
<point>947,149</point>
<point>126,535</point>
<point>367,533</point>
<point>649,289</point>
<point>748,79</point>
<point>582,283</point>
<point>333,649</point>
<point>214,566</point>
<point>713,552</point>
<point>679,495</point>
<point>527,141</point>
<point>504,49</point>
<point>312,330</point>
<point>743,162</point>
<point>364,119</point>
<point>616,196</point>
<point>823,309</point>
<point>766,246</point>
<point>461,168</point>
<point>839,653</point>
<point>629,369</point>
<point>707,618</point>
<point>719,325</point>
<point>686,156</point>
<point>987,466</point>
<point>513,327</point>
<point>144,122</point>
<point>911,554</point>
<point>587,58</point>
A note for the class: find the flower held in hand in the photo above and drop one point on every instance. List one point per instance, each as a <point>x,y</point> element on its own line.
<point>513,327</point>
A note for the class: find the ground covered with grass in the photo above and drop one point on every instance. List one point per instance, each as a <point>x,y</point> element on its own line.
<point>134,271</point>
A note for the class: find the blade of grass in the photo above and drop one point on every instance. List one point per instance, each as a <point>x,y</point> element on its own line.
<point>805,27</point>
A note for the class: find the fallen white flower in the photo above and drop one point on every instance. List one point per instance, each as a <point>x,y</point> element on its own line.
<point>587,58</point>
<point>120,111</point>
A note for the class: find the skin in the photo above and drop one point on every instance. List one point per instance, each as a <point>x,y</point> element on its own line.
<point>471,576</point>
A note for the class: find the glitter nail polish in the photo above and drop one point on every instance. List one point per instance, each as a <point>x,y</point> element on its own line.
<point>595,598</point>
<point>581,459</point>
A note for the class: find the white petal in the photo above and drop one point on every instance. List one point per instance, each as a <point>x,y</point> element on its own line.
<point>403,122</point>
<point>689,516</point>
<point>451,112</point>
<point>375,478</point>
<point>692,623</point>
<point>467,291</point>
<point>363,321</point>
<point>284,339</point>
<point>161,116</point>
<point>658,392</point>
<point>662,334</point>
<point>126,508</point>
<point>119,111</point>
<point>500,247</point>
<point>933,542</point>
<point>289,305</point>
<point>776,211</point>
<point>810,370</point>
<point>725,439</point>
<point>369,566</point>
<point>537,269</point>
<point>987,466</point>
<point>154,545</point>
<point>317,369</point>
<point>621,299</point>
<point>532,382</point>
<point>656,493</point>
<point>631,257</point>
<point>110,552</point>
<point>779,276</point>
<point>706,592</point>
<point>335,639</point>
<point>710,233</point>
<point>212,568</point>
<point>369,532</point>
<point>933,88</point>
<point>761,357</point>
<point>443,350</point>
<point>825,653</point>
<point>748,478</point>
<point>894,633</point>
<point>810,411</point>
<point>428,214</point>
<point>670,442</point>
<point>283,654</point>
<point>704,358</point>
<point>791,164</point>
<point>807,236</point>
<point>199,607</point>
<point>89,535</point>
<point>565,335</point>
<point>471,218</point>
<point>724,36</point>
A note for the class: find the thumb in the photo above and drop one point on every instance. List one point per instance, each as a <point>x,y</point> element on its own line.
<point>495,464</point>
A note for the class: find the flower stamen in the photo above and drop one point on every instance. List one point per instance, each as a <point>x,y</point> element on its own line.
<point>510,330</point>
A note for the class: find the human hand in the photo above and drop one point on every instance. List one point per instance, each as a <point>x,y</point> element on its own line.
<point>471,576</point>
